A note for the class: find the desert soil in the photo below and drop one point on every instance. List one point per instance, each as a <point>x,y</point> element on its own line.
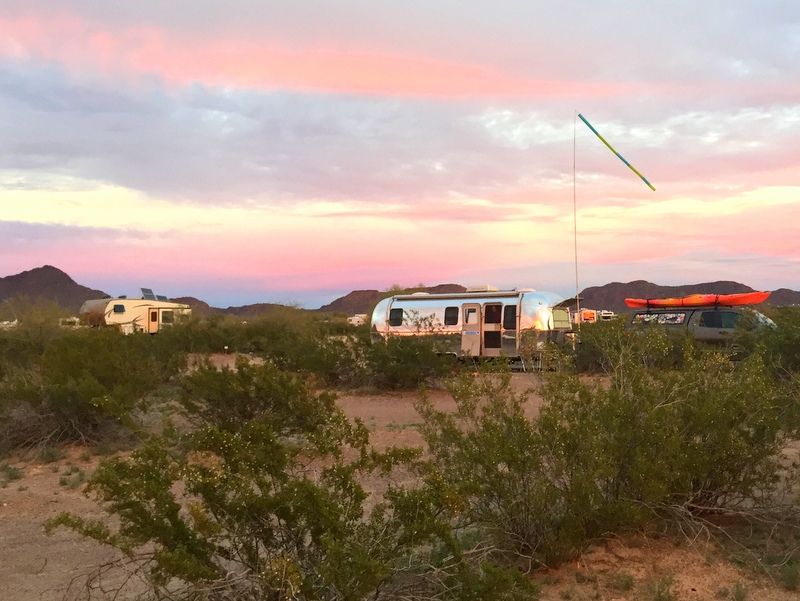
<point>36,566</point>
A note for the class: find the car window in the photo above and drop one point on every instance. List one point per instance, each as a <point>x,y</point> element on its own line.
<point>672,318</point>
<point>719,319</point>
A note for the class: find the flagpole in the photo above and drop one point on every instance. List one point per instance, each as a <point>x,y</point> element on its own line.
<point>575,216</point>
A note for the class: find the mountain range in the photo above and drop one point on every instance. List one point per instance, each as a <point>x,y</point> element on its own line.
<point>52,284</point>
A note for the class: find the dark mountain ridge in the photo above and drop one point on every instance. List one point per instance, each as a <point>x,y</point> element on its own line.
<point>49,283</point>
<point>52,284</point>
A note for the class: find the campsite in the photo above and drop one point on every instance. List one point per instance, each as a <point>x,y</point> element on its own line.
<point>663,497</point>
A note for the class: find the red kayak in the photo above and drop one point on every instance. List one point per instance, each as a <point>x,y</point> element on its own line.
<point>699,300</point>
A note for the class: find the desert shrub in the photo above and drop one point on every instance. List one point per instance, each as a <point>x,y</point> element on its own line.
<point>781,344</point>
<point>23,345</point>
<point>486,469</point>
<point>85,383</point>
<point>230,398</point>
<point>8,473</point>
<point>273,507</point>
<point>647,444</point>
<point>406,362</point>
<point>600,346</point>
<point>703,437</point>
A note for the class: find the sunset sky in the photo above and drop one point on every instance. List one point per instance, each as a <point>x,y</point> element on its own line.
<point>292,151</point>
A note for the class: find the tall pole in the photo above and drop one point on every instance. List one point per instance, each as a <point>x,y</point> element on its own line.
<point>575,217</point>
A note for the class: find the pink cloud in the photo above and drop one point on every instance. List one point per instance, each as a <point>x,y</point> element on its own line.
<point>179,59</point>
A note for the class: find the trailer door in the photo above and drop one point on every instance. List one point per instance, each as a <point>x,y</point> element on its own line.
<point>492,329</point>
<point>152,321</point>
<point>471,329</point>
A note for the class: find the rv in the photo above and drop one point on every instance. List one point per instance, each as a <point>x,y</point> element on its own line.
<point>359,319</point>
<point>592,315</point>
<point>133,314</point>
<point>477,323</point>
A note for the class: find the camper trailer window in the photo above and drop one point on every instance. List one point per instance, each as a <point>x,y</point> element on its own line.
<point>510,317</point>
<point>396,317</point>
<point>470,316</point>
<point>561,319</point>
<point>167,317</point>
<point>119,308</point>
<point>450,316</point>
<point>492,313</point>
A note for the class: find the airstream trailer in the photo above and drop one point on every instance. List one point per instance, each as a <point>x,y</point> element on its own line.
<point>476,323</point>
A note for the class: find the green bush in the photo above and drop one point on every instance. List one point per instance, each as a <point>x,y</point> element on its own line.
<point>406,362</point>
<point>781,344</point>
<point>85,383</point>
<point>601,345</point>
<point>230,398</point>
<point>606,457</point>
<point>271,505</point>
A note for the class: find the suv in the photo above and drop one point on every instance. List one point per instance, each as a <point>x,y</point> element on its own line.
<point>712,324</point>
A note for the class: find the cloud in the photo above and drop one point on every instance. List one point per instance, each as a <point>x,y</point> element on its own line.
<point>355,142</point>
<point>14,232</point>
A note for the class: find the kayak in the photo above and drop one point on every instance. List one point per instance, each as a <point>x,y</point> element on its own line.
<point>699,300</point>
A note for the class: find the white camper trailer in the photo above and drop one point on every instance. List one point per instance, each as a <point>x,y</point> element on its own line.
<point>134,314</point>
<point>477,323</point>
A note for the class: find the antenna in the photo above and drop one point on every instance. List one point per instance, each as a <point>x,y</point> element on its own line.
<point>575,215</point>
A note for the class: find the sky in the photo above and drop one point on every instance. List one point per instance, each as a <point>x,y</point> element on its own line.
<point>292,151</point>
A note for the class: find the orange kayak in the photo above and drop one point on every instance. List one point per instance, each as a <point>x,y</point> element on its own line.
<point>699,300</point>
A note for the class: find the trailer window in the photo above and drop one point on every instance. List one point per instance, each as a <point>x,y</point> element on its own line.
<point>154,316</point>
<point>119,308</point>
<point>510,317</point>
<point>167,317</point>
<point>492,339</point>
<point>470,316</point>
<point>561,319</point>
<point>492,313</point>
<point>450,316</point>
<point>396,317</point>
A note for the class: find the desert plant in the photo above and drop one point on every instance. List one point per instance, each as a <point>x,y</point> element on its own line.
<point>660,589</point>
<point>406,362</point>
<point>271,506</point>
<point>608,456</point>
<point>602,344</point>
<point>621,581</point>
<point>8,473</point>
<point>229,398</point>
<point>85,384</point>
<point>72,478</point>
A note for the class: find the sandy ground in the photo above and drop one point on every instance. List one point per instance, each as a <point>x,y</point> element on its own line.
<point>35,566</point>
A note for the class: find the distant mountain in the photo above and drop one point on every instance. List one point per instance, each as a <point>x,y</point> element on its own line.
<point>783,296</point>
<point>199,308</point>
<point>52,284</point>
<point>362,301</point>
<point>203,309</point>
<point>48,283</point>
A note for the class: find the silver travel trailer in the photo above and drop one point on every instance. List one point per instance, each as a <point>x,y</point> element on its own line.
<point>477,323</point>
<point>134,314</point>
